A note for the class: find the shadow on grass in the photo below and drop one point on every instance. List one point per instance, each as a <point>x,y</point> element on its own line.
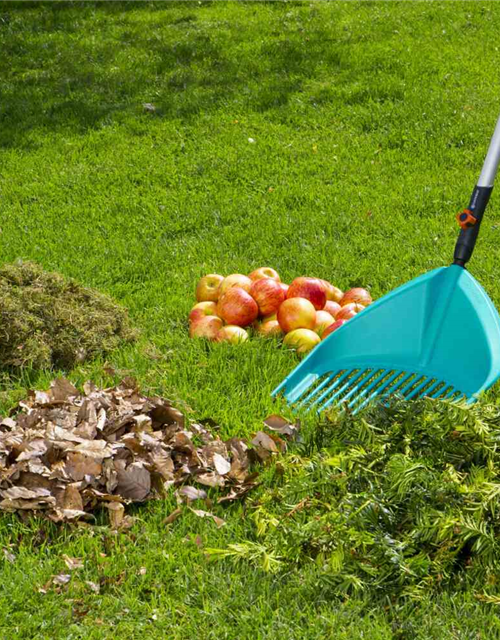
<point>77,65</point>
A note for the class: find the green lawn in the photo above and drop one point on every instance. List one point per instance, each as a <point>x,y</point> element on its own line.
<point>370,121</point>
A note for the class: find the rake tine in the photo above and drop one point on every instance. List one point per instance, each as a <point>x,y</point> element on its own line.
<point>431,388</point>
<point>281,385</point>
<point>330,388</point>
<point>410,383</point>
<point>364,381</point>
<point>368,388</point>
<point>438,392</point>
<point>390,391</point>
<point>318,388</point>
<point>450,393</point>
<point>377,391</point>
<point>417,389</point>
<point>341,390</point>
<point>300,388</point>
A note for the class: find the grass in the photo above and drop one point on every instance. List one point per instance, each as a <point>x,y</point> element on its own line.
<point>370,122</point>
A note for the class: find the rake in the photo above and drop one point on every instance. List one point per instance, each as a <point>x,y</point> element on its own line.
<point>436,336</point>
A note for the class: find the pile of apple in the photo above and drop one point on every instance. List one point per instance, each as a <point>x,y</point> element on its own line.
<point>305,312</point>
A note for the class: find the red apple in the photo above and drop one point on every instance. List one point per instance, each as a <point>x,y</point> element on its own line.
<point>332,327</point>
<point>268,295</point>
<point>236,306</point>
<point>206,327</point>
<point>356,295</point>
<point>235,280</point>
<point>232,333</point>
<point>302,340</point>
<point>332,307</point>
<point>264,272</point>
<point>206,308</point>
<point>269,328</point>
<point>349,310</point>
<point>332,293</point>
<point>323,320</point>
<point>285,287</point>
<point>208,287</point>
<point>309,288</point>
<point>296,313</point>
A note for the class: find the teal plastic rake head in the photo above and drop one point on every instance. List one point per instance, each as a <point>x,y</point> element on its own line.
<point>436,336</point>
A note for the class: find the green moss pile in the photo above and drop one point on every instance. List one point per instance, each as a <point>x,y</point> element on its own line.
<point>47,320</point>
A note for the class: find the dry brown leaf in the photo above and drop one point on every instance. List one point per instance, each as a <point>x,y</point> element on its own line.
<point>265,441</point>
<point>14,493</point>
<point>142,571</point>
<point>116,514</point>
<point>96,588</point>
<point>34,449</point>
<point>28,505</point>
<point>71,498</point>
<point>281,425</point>
<point>9,556</point>
<point>222,466</point>
<point>45,587</point>
<point>173,516</point>
<point>72,563</point>
<point>191,493</point>
<point>164,464</point>
<point>62,578</point>
<point>93,448</point>
<point>211,479</point>
<point>78,465</point>
<point>134,482</point>
<point>206,514</point>
<point>60,515</point>
<point>61,390</point>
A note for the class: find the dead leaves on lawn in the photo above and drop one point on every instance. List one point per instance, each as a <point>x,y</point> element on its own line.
<point>65,453</point>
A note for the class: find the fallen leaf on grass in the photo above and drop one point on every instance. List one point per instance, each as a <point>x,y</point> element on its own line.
<point>173,516</point>
<point>206,514</point>
<point>134,482</point>
<point>96,588</point>
<point>222,466</point>
<point>10,557</point>
<point>116,514</point>
<point>192,493</point>
<point>72,563</point>
<point>281,425</point>
<point>62,578</point>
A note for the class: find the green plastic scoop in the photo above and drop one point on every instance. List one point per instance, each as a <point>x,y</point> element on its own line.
<point>436,336</point>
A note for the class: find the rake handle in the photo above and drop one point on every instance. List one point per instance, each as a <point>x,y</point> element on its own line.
<point>479,199</point>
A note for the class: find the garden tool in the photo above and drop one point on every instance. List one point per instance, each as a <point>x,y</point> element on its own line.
<point>436,336</point>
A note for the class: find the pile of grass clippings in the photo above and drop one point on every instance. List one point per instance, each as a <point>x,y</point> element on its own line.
<point>66,453</point>
<point>396,502</point>
<point>47,320</point>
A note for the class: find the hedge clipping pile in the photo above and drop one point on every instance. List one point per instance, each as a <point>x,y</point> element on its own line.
<point>47,320</point>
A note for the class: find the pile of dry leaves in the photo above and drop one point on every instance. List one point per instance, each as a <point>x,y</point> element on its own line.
<point>63,453</point>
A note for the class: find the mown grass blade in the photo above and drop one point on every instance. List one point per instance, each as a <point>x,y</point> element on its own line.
<point>368,388</point>
<point>331,388</point>
<point>341,390</point>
